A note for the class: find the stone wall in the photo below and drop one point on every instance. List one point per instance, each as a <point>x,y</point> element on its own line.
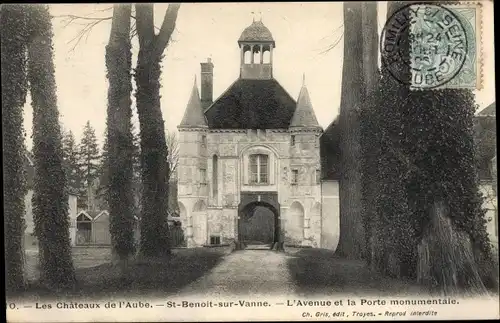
<point>301,224</point>
<point>490,204</point>
<point>330,215</point>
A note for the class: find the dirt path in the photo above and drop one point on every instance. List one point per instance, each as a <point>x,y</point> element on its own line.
<point>246,272</point>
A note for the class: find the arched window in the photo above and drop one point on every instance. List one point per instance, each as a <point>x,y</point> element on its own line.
<point>215,166</point>
<point>266,56</point>
<point>247,55</point>
<point>256,55</point>
<point>259,169</point>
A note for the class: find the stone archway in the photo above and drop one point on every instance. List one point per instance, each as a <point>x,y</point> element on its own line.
<point>258,225</point>
<point>268,217</point>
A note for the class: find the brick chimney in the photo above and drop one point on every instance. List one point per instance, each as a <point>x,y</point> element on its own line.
<point>207,83</point>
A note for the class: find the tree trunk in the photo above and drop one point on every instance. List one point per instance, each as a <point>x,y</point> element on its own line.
<point>446,257</point>
<point>119,135</point>
<point>369,29</point>
<point>154,151</point>
<point>369,145</point>
<point>50,198</point>
<point>14,88</point>
<point>352,241</point>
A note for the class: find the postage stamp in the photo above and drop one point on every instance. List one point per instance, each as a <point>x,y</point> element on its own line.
<point>434,46</point>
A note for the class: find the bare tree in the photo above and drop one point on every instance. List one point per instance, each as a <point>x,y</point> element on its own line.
<point>173,153</point>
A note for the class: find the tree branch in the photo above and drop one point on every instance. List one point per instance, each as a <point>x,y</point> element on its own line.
<point>90,22</point>
<point>133,30</point>
<point>167,27</point>
<point>84,32</point>
<point>74,17</point>
<point>333,45</point>
<point>173,150</point>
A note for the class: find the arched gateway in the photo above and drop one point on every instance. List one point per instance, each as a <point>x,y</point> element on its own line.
<point>238,151</point>
<point>258,220</point>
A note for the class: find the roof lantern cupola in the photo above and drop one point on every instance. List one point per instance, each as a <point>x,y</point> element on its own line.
<point>256,48</point>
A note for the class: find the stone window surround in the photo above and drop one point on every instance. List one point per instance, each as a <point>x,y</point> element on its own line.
<point>273,163</point>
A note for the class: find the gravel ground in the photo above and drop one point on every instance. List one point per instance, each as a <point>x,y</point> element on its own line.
<point>246,272</point>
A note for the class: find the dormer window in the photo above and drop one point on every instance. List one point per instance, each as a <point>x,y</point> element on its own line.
<point>259,169</point>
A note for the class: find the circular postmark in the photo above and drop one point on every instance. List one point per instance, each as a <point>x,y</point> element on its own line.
<point>423,45</point>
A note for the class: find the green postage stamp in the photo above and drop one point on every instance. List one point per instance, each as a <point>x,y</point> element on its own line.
<point>443,48</point>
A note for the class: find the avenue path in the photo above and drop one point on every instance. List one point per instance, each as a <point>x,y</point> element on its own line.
<point>245,272</point>
<point>308,272</point>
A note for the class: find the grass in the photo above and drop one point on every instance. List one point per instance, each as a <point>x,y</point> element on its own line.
<point>321,272</point>
<point>98,277</point>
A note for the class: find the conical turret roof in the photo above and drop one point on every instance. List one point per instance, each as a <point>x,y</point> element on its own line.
<point>304,113</point>
<point>194,116</point>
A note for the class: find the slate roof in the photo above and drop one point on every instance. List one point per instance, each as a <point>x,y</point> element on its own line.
<point>92,213</point>
<point>304,114</point>
<point>489,110</point>
<point>193,115</point>
<point>252,104</point>
<point>256,32</point>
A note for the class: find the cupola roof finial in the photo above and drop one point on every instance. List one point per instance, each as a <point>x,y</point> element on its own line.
<point>256,32</point>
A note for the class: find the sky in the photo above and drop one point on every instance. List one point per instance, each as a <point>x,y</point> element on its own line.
<point>302,31</point>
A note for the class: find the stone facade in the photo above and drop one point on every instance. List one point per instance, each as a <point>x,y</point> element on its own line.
<point>220,142</point>
<point>207,210</point>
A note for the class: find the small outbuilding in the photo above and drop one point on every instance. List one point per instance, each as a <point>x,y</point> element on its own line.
<point>92,228</point>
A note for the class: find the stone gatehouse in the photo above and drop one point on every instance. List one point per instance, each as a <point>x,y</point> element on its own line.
<point>249,161</point>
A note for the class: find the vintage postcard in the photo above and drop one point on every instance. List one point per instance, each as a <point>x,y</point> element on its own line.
<point>249,161</point>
